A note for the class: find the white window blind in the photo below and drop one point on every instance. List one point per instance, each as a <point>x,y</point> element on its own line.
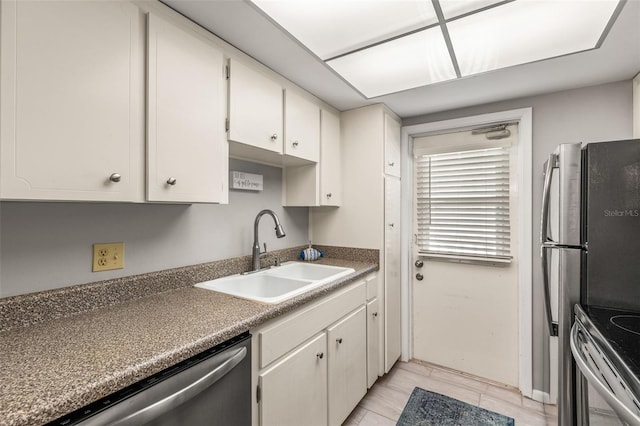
<point>463,205</point>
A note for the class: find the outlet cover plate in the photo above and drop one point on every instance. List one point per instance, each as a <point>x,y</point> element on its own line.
<point>108,256</point>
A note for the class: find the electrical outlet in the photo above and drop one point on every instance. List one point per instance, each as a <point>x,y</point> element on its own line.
<point>108,256</point>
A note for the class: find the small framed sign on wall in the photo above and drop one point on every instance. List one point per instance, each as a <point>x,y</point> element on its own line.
<point>245,181</point>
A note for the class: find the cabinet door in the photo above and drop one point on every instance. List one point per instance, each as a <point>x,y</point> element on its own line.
<point>255,108</point>
<point>302,127</point>
<point>330,160</point>
<point>373,328</point>
<point>391,146</point>
<point>186,147</point>
<point>294,391</point>
<point>72,103</point>
<point>347,345</point>
<point>392,189</point>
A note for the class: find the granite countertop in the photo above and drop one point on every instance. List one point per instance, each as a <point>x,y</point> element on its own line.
<point>54,367</point>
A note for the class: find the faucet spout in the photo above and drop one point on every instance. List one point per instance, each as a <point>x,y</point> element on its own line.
<point>256,240</point>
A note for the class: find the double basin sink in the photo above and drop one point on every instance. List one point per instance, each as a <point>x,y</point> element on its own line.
<point>277,284</point>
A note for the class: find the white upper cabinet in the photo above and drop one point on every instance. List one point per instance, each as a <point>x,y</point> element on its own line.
<point>302,127</point>
<point>71,106</point>
<point>255,109</point>
<point>330,160</point>
<point>186,145</point>
<point>391,146</point>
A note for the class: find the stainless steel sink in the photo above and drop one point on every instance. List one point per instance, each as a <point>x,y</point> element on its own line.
<point>277,284</point>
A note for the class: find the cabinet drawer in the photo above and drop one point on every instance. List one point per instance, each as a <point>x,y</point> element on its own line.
<point>277,339</point>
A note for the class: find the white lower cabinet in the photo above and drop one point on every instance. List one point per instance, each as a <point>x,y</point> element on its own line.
<point>373,329</point>
<point>347,349</point>
<point>294,390</point>
<point>310,365</point>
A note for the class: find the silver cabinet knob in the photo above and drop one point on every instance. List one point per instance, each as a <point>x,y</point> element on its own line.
<point>375,314</point>
<point>392,163</point>
<point>320,355</point>
<point>339,340</point>
<point>274,137</point>
<point>329,195</point>
<point>419,276</point>
<point>172,181</point>
<point>419,263</point>
<point>115,177</point>
<point>392,225</point>
<point>295,144</point>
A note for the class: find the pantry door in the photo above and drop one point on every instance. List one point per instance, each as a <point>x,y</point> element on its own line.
<point>465,311</point>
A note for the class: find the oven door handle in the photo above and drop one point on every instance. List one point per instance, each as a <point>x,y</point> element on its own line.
<point>577,339</point>
<point>155,409</point>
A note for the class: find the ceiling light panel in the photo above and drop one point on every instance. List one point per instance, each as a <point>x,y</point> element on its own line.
<point>330,28</point>
<point>412,61</point>
<point>526,31</point>
<point>453,8</point>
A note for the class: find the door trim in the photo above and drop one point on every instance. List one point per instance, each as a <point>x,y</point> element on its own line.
<point>525,238</point>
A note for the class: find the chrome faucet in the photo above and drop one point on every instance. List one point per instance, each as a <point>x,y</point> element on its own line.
<point>256,241</point>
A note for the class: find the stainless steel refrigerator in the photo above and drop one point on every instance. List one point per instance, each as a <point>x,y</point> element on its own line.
<point>561,254</point>
<point>588,256</point>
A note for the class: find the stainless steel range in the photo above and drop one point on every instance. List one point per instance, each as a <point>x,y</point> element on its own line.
<point>606,347</point>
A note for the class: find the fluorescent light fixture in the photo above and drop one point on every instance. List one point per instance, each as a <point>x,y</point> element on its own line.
<point>453,8</point>
<point>333,27</point>
<point>386,46</point>
<point>527,31</point>
<point>412,61</point>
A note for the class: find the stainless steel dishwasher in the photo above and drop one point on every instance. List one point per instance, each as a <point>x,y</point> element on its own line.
<point>211,388</point>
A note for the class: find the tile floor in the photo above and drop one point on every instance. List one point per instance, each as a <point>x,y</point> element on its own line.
<point>386,399</point>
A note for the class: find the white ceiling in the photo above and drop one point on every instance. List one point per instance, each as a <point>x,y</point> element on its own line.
<point>244,26</point>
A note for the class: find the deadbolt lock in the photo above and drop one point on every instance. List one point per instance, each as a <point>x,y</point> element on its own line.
<point>419,263</point>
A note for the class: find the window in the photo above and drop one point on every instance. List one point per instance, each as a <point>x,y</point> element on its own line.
<point>462,207</point>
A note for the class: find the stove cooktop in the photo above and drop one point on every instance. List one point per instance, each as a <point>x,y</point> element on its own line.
<point>622,330</point>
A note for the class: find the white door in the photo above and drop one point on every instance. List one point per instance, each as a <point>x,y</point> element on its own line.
<point>465,313</point>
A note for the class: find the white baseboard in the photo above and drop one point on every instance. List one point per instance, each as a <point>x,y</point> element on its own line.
<point>543,397</point>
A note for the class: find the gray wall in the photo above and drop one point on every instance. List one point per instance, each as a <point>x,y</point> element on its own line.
<point>589,114</point>
<point>49,245</point>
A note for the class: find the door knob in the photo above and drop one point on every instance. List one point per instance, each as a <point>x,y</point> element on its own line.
<point>115,177</point>
<point>419,263</point>
<point>419,276</point>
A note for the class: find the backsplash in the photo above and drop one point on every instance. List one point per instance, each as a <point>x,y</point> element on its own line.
<point>49,245</point>
<point>28,309</point>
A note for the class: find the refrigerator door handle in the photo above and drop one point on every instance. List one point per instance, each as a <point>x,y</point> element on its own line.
<point>546,195</point>
<point>553,326</point>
